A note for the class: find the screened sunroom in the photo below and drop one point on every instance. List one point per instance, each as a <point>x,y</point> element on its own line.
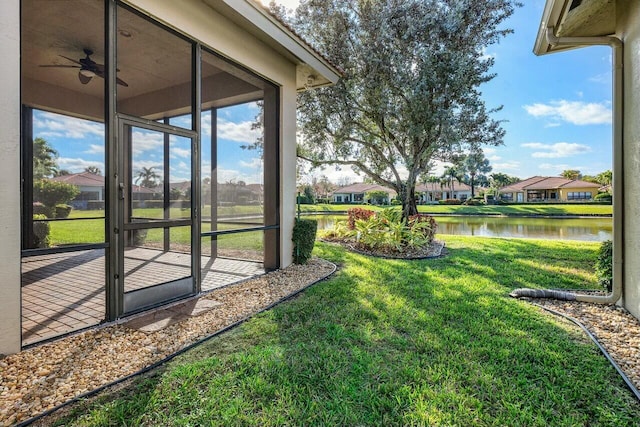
<point>157,154</point>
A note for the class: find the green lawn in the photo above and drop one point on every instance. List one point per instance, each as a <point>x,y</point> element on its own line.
<point>534,209</point>
<point>432,342</point>
<point>92,230</point>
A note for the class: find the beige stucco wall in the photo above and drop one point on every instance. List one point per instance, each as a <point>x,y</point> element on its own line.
<point>628,12</point>
<point>564,192</point>
<point>202,23</point>
<point>10,181</point>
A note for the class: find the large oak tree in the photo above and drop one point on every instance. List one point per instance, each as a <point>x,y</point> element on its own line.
<point>410,92</point>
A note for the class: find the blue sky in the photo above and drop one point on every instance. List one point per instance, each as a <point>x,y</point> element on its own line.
<point>557,112</point>
<point>80,144</point>
<point>557,107</point>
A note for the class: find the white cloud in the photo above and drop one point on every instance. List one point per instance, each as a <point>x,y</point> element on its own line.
<point>557,150</point>
<point>180,152</point>
<point>95,149</point>
<point>55,125</point>
<point>146,141</point>
<point>254,163</point>
<point>604,78</point>
<point>506,166</point>
<point>558,168</point>
<point>76,165</point>
<point>574,112</point>
<point>239,132</point>
<point>232,175</point>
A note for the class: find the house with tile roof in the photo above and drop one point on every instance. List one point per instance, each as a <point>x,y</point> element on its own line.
<point>431,192</point>
<point>549,189</point>
<point>357,193</point>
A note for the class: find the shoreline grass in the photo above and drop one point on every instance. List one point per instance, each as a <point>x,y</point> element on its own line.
<point>392,342</point>
<point>507,210</point>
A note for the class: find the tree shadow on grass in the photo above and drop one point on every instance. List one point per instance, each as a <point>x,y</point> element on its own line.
<point>388,342</point>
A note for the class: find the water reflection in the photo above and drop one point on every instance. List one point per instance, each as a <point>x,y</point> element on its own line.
<point>587,229</point>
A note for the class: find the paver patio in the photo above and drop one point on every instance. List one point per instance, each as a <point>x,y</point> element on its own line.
<point>62,293</point>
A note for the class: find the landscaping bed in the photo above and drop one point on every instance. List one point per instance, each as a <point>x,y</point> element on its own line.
<point>42,377</point>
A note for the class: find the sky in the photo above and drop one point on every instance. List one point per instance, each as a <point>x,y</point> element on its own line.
<point>556,113</point>
<point>556,108</point>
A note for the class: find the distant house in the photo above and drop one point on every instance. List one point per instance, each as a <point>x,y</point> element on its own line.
<point>357,193</point>
<point>549,189</point>
<point>91,187</point>
<point>433,192</point>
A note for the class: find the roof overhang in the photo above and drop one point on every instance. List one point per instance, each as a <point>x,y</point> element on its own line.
<point>313,70</point>
<point>575,18</point>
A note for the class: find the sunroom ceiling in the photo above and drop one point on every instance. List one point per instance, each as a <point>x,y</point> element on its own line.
<point>47,35</point>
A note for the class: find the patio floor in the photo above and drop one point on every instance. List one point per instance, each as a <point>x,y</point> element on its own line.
<point>62,293</point>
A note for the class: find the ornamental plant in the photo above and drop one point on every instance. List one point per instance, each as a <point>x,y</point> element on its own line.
<point>385,231</point>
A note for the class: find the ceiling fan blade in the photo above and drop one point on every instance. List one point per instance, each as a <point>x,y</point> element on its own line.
<point>60,66</point>
<point>71,59</point>
<point>83,79</point>
<point>121,82</point>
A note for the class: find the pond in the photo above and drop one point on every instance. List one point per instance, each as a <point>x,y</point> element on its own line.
<point>587,229</point>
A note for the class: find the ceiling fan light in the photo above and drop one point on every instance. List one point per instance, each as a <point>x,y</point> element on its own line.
<point>87,73</point>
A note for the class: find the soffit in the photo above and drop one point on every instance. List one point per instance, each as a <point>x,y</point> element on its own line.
<point>313,70</point>
<point>587,18</point>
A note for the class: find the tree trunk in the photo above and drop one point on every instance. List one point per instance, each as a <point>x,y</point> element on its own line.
<point>472,185</point>
<point>408,197</point>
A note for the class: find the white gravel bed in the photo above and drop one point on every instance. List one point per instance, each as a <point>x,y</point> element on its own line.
<point>42,377</point>
<point>613,326</point>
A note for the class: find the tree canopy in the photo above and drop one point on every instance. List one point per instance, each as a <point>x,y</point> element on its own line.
<point>410,92</point>
<point>45,159</point>
<point>476,165</point>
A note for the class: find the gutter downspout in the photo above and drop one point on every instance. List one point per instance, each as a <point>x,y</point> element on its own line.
<point>618,174</point>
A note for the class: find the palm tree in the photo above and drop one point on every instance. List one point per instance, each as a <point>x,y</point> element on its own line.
<point>450,175</point>
<point>45,159</point>
<point>476,164</point>
<point>571,174</point>
<point>93,169</point>
<point>147,177</point>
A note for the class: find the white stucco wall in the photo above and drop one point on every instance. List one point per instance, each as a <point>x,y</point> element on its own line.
<point>628,13</point>
<point>202,23</point>
<point>10,181</point>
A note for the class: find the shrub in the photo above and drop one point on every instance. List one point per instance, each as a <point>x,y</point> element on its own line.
<point>396,202</point>
<point>63,211</point>
<point>41,231</point>
<point>304,237</point>
<point>388,231</point>
<point>95,205</point>
<point>474,202</point>
<point>39,209</point>
<point>450,202</point>
<point>356,214</point>
<point>603,197</point>
<point>52,193</point>
<point>425,224</point>
<point>604,265</point>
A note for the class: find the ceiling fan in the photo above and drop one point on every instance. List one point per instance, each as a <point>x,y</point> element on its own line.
<point>88,68</point>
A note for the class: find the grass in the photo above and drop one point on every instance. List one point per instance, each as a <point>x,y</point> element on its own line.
<point>532,209</point>
<point>432,342</point>
<point>92,230</point>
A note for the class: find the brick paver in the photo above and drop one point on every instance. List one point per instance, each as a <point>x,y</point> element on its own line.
<point>62,293</point>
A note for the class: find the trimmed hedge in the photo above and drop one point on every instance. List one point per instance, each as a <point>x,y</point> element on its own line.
<point>41,231</point>
<point>450,202</point>
<point>304,237</point>
<point>604,265</point>
<point>63,211</point>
